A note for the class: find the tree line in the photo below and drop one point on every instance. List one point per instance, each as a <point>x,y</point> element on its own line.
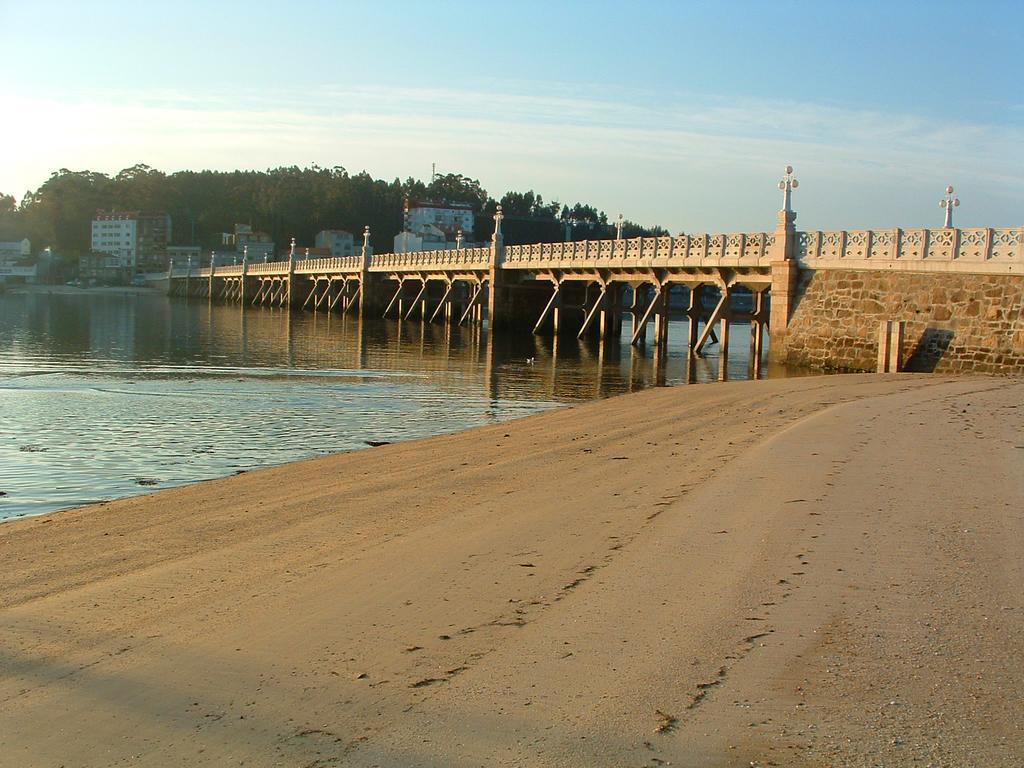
<point>284,202</point>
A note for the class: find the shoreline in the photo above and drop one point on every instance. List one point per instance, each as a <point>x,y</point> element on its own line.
<point>73,290</point>
<point>593,585</point>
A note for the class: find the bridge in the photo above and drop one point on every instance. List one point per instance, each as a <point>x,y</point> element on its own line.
<point>589,287</point>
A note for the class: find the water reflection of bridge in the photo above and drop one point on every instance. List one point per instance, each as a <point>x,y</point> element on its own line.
<point>505,366</point>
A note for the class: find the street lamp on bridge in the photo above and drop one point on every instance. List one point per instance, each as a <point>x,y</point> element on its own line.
<point>949,203</point>
<point>618,228</point>
<point>787,185</point>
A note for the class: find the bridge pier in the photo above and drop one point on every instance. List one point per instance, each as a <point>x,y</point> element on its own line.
<point>785,274</point>
<point>661,317</point>
<point>637,311</point>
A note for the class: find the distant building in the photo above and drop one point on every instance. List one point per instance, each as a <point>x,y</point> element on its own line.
<point>429,238</point>
<point>433,226</point>
<point>101,268</point>
<point>338,242</point>
<point>14,265</point>
<point>316,252</point>
<point>227,258</point>
<point>15,251</point>
<point>259,244</point>
<point>180,255</point>
<point>447,217</point>
<point>137,242</point>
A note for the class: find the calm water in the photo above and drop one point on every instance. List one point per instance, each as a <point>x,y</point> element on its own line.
<point>109,395</point>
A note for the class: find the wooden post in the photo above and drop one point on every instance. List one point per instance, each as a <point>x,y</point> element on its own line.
<point>891,335</point>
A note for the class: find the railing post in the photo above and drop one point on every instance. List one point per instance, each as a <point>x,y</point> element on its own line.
<point>495,277</point>
<point>213,269</point>
<point>291,274</point>
<point>785,270</point>
<point>245,271</point>
<point>368,288</point>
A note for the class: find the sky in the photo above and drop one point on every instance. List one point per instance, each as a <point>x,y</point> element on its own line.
<point>681,114</point>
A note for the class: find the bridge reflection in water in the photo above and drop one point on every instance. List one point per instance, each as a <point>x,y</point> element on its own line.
<point>507,366</point>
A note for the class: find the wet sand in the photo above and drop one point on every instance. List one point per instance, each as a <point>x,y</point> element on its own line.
<point>803,572</point>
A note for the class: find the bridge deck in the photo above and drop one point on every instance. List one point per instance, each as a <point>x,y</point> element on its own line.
<point>982,250</point>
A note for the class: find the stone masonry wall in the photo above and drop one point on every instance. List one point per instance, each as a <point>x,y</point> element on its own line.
<point>956,322</point>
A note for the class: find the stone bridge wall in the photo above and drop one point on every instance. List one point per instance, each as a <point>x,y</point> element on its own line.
<point>956,322</point>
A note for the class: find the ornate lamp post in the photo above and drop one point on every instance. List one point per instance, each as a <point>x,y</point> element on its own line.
<point>458,239</point>
<point>618,228</point>
<point>949,203</point>
<point>405,226</point>
<point>787,185</point>
<point>498,236</point>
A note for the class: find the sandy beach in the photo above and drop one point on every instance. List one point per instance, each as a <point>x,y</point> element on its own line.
<point>821,571</point>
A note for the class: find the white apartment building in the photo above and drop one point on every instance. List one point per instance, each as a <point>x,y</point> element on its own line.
<point>118,238</point>
<point>134,240</point>
<point>337,241</point>
<point>449,218</point>
<point>429,238</point>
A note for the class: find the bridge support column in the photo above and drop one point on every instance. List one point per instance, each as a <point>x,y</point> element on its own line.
<point>785,275</point>
<point>723,342</point>
<point>556,314</point>
<point>757,333</point>
<point>496,278</point>
<point>611,312</point>
<point>244,278</point>
<point>693,316</point>
<point>661,317</point>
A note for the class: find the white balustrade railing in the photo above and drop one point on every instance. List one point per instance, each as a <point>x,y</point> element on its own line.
<point>266,268</point>
<point>448,259</point>
<point>740,249</point>
<point>330,264</point>
<point>1001,249</point>
<point>980,249</point>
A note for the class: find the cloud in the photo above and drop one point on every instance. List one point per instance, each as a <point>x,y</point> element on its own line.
<point>688,161</point>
